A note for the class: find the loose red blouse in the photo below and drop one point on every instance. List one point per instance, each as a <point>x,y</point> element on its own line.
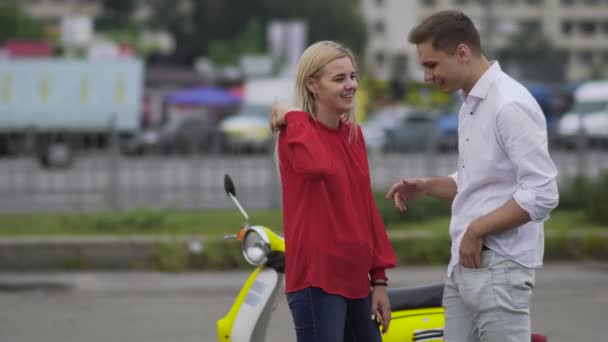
<point>334,236</point>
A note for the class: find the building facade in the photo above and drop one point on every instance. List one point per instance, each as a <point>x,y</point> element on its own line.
<point>577,27</point>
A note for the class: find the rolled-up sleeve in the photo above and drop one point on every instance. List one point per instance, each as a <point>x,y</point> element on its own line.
<point>523,136</point>
<point>454,177</point>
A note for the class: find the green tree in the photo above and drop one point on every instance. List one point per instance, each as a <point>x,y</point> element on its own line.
<point>16,24</point>
<point>339,20</point>
<point>198,26</point>
<point>227,52</point>
<point>116,14</point>
<point>535,56</point>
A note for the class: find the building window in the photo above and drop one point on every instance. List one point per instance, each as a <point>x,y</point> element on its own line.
<point>588,28</point>
<point>530,26</point>
<point>567,28</point>
<point>605,27</point>
<point>379,3</point>
<point>534,2</point>
<point>585,57</point>
<point>591,2</point>
<point>379,27</point>
<point>605,57</point>
<point>567,2</point>
<point>460,2</point>
<point>428,3</point>
<point>380,58</point>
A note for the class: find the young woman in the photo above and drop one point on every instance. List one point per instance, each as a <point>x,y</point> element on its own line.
<point>337,248</point>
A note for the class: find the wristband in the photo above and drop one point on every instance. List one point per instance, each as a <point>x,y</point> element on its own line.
<point>379,283</point>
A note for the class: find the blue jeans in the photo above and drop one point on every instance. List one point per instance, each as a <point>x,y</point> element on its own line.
<point>489,304</point>
<point>322,317</point>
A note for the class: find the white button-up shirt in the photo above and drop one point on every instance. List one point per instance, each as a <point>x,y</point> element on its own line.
<point>503,155</point>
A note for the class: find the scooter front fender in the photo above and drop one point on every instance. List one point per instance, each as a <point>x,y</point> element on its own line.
<point>416,325</point>
<point>250,313</point>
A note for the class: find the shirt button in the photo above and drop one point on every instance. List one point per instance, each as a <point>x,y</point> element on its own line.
<point>467,139</point>
<point>471,113</point>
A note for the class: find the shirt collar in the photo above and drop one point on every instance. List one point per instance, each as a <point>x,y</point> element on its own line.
<point>482,86</point>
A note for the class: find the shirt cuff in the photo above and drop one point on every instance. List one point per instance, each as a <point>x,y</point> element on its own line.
<point>377,274</point>
<point>295,116</point>
<point>454,176</point>
<point>526,200</point>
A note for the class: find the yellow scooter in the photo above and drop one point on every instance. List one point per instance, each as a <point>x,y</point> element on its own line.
<point>417,314</point>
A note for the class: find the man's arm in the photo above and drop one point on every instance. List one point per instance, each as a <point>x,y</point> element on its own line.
<point>441,187</point>
<point>411,189</point>
<point>508,216</point>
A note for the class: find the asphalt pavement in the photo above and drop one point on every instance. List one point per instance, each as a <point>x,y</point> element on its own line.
<point>569,304</point>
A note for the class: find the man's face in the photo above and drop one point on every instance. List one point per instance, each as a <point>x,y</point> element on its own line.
<point>448,72</point>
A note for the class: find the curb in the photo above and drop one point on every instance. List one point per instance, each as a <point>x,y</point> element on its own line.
<point>170,253</point>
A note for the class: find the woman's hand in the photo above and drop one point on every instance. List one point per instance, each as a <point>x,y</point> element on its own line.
<point>277,115</point>
<point>381,307</point>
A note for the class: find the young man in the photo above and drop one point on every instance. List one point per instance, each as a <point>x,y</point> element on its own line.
<point>503,190</point>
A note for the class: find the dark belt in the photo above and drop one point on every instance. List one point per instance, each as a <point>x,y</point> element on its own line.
<point>485,248</point>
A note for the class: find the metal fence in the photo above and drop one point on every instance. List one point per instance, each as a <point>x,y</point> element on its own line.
<point>102,177</point>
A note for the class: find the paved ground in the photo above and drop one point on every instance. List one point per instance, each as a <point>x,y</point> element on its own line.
<point>569,304</point>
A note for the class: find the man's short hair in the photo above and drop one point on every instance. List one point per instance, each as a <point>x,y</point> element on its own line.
<point>446,30</point>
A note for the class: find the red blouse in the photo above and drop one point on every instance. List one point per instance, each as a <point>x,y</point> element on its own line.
<point>334,236</point>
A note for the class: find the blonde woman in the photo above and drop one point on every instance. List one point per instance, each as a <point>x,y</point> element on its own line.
<point>337,249</point>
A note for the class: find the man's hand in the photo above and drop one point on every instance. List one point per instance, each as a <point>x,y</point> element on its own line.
<point>405,190</point>
<point>381,306</point>
<point>470,247</point>
<point>277,115</point>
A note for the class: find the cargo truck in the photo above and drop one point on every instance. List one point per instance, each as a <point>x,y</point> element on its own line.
<point>51,108</point>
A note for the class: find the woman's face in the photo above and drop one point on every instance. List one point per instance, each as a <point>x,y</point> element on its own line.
<point>335,87</point>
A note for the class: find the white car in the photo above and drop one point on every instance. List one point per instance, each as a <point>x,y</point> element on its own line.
<point>374,129</point>
<point>590,112</point>
<point>248,130</point>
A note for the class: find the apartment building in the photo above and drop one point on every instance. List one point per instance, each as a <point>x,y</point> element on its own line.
<point>54,10</point>
<point>579,27</point>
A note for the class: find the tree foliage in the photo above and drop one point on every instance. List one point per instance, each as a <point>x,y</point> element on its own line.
<point>535,56</point>
<point>198,26</point>
<point>116,14</point>
<point>16,24</point>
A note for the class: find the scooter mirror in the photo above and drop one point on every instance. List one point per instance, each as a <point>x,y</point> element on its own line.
<point>229,188</point>
<point>229,185</point>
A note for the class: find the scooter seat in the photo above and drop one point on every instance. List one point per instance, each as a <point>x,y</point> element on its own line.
<point>418,297</point>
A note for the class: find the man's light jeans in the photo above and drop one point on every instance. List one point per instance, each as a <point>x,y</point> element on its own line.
<point>490,304</point>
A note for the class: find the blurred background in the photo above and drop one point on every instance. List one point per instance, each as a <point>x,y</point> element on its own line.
<point>121,104</point>
<point>119,119</point>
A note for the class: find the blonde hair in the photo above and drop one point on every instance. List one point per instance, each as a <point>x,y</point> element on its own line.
<point>311,63</point>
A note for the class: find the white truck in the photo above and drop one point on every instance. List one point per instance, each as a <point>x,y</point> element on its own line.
<point>52,107</point>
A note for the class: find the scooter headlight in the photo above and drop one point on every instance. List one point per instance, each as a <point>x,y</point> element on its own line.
<point>256,246</point>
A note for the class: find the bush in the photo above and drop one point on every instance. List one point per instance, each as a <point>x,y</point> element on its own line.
<point>597,205</point>
<point>417,211</point>
<point>573,193</point>
<point>588,195</point>
<point>140,220</point>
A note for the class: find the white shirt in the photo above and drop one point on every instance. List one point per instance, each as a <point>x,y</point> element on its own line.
<point>503,155</point>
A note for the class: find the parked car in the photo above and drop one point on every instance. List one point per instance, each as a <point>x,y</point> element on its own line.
<point>248,130</point>
<point>589,113</point>
<point>447,126</point>
<point>374,129</point>
<point>181,134</point>
<point>412,132</point>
